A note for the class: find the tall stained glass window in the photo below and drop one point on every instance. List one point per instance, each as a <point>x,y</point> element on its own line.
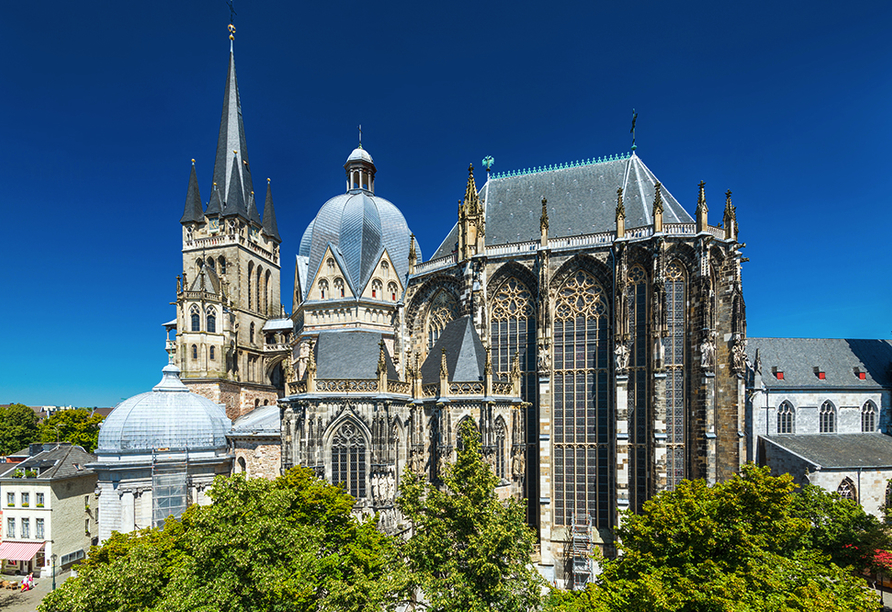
<point>674,363</point>
<point>827,418</point>
<point>348,460</point>
<point>513,330</point>
<point>869,417</point>
<point>638,389</point>
<point>583,415</point>
<point>443,309</point>
<point>786,418</point>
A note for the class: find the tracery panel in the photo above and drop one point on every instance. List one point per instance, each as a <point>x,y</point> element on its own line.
<point>443,309</point>
<point>638,394</point>
<point>583,414</point>
<point>674,363</point>
<point>348,462</point>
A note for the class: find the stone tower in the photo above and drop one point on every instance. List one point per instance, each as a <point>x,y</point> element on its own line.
<point>231,329</point>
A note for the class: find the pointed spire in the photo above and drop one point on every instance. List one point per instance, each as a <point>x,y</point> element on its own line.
<point>253,215</point>
<point>413,255</point>
<point>620,214</point>
<point>444,369</point>
<point>543,218</point>
<point>730,218</point>
<point>193,211</point>
<point>701,208</point>
<point>269,215</point>
<point>235,196</point>
<point>215,206</point>
<point>232,138</point>
<point>487,364</point>
<point>472,202</point>
<point>658,208</point>
<point>382,360</point>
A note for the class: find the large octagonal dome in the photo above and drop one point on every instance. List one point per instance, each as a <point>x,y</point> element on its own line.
<point>167,417</point>
<point>361,225</point>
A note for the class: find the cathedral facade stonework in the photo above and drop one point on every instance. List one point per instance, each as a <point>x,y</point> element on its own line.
<point>590,327</point>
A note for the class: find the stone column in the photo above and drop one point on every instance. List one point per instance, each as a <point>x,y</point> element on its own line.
<point>660,435</point>
<point>546,514</point>
<point>708,386</point>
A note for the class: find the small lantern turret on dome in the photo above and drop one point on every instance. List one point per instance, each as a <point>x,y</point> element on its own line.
<point>360,169</point>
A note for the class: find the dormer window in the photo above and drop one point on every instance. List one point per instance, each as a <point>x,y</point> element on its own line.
<point>861,374</point>
<point>821,374</point>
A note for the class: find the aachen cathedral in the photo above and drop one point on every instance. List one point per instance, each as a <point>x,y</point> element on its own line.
<point>591,328</point>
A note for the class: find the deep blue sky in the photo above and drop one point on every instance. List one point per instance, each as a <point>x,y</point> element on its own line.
<point>104,103</point>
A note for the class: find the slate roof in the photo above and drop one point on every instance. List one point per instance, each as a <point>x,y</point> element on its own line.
<point>858,450</point>
<point>270,228</point>
<point>465,355</point>
<point>57,461</point>
<point>232,138</point>
<point>838,358</point>
<point>193,210</point>
<point>581,200</point>
<point>350,354</point>
<point>206,281</point>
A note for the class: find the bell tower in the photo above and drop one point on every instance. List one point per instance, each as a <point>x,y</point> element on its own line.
<point>231,329</point>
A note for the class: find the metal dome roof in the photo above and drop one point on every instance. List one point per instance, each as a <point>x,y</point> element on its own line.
<point>361,225</point>
<point>169,416</point>
<point>359,154</point>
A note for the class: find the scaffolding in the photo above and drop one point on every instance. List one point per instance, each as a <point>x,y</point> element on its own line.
<point>168,490</point>
<point>581,550</point>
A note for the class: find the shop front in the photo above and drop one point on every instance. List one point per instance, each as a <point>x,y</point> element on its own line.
<point>21,557</point>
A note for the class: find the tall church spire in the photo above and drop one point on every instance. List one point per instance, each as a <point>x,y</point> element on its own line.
<point>232,138</point>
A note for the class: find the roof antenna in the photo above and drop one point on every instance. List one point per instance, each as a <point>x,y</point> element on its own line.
<point>632,131</point>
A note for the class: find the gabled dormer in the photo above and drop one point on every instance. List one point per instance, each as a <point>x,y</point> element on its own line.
<point>332,281</point>
<point>384,282</point>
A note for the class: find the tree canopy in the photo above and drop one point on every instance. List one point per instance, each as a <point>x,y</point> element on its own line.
<point>469,551</point>
<point>749,544</point>
<point>76,425</point>
<point>18,428</point>
<point>287,545</point>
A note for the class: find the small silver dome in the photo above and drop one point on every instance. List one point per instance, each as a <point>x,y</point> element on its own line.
<point>169,416</point>
<point>359,154</point>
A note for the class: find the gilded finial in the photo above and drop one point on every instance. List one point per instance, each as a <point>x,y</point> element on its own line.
<point>267,181</point>
<point>193,161</point>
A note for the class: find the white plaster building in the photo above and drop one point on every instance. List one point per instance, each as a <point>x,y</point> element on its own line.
<point>819,409</point>
<point>158,452</point>
<point>49,508</point>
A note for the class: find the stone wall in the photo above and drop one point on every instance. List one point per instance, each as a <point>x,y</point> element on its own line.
<point>262,457</point>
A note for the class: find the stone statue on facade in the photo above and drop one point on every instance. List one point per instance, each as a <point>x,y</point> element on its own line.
<point>738,353</point>
<point>544,359</point>
<point>707,353</point>
<point>621,353</point>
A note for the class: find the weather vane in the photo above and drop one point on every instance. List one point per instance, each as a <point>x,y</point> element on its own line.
<point>488,161</point>
<point>232,12</point>
<point>632,131</point>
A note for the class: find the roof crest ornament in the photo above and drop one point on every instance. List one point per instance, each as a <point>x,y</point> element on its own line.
<point>552,167</point>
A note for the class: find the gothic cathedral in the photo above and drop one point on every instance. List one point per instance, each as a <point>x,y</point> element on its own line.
<point>589,327</point>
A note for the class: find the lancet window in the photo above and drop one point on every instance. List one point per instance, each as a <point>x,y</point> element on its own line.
<point>846,489</point>
<point>391,289</point>
<point>348,462</point>
<point>376,289</point>
<point>583,415</point>
<point>196,318</point>
<point>443,309</point>
<point>674,357</point>
<point>500,440</point>
<point>786,418</point>
<point>869,417</point>
<point>827,418</point>
<point>638,394</point>
<point>211,319</point>
<point>250,281</point>
<point>339,287</point>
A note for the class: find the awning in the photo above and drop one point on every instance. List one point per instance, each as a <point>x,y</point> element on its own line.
<point>19,551</point>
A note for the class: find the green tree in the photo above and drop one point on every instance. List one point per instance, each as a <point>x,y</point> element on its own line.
<point>77,426</point>
<point>469,551</point>
<point>287,545</point>
<point>18,428</point>
<point>742,545</point>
